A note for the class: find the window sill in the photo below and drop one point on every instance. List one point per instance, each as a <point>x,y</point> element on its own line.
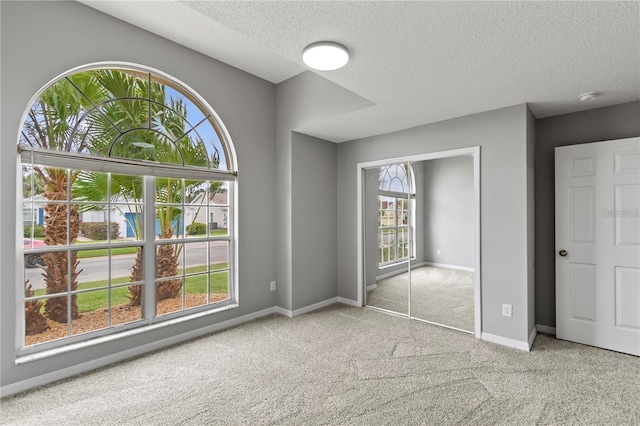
<point>48,353</point>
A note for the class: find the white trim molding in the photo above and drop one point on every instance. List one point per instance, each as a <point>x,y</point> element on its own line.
<point>532,337</point>
<point>306,309</point>
<point>505,341</point>
<point>284,312</point>
<point>349,302</point>
<point>316,306</point>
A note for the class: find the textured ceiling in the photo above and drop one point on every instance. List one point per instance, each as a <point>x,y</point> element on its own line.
<point>419,62</point>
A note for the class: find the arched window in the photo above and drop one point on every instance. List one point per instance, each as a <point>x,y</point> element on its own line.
<point>396,178</point>
<point>396,207</point>
<point>127,194</point>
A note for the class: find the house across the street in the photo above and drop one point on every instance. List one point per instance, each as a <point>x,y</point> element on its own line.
<point>196,211</point>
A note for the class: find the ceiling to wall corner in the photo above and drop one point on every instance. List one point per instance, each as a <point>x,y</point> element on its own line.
<point>419,62</point>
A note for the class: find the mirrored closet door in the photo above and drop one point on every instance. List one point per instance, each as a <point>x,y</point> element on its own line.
<point>442,288</point>
<point>387,222</point>
<point>419,223</point>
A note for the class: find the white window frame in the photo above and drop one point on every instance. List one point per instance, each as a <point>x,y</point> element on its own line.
<point>396,228</point>
<point>67,160</point>
<point>149,243</point>
<point>408,195</point>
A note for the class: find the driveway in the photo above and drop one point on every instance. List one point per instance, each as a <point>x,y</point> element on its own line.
<point>96,268</point>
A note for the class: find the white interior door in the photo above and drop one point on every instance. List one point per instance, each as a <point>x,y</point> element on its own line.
<point>598,244</point>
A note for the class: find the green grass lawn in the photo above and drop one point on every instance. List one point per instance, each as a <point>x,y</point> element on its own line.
<point>214,233</point>
<point>197,284</point>
<point>115,251</point>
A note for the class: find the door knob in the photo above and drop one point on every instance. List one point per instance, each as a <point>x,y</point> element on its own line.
<point>562,253</point>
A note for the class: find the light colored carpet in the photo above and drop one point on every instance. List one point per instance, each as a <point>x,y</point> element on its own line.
<point>440,295</point>
<point>345,365</point>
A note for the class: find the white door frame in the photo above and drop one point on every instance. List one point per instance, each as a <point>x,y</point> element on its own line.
<point>474,151</point>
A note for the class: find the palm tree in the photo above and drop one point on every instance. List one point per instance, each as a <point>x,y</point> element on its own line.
<point>97,187</point>
<point>54,122</point>
<point>35,323</point>
<point>160,133</point>
<point>119,114</point>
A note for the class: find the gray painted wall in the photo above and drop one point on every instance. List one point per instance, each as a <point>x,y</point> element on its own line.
<point>601,124</point>
<point>300,101</point>
<point>448,210</point>
<point>245,103</point>
<point>502,135</point>
<point>531,231</point>
<point>314,220</point>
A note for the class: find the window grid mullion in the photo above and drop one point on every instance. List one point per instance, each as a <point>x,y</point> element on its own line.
<point>109,290</point>
<point>182,223</point>
<point>149,250</point>
<point>232,291</point>
<point>209,221</point>
<point>395,228</point>
<point>68,251</point>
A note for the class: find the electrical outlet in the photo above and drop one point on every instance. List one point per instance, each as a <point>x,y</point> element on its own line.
<point>273,286</point>
<point>506,310</point>
<point>438,252</point>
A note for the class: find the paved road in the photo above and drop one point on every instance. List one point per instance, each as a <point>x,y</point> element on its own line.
<point>95,268</point>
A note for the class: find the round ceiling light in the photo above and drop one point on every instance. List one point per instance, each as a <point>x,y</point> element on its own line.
<point>325,56</point>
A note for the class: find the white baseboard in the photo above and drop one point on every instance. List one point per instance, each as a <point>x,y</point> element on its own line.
<point>283,311</point>
<point>349,302</point>
<point>316,306</point>
<point>532,337</point>
<point>372,287</point>
<point>64,373</point>
<point>546,329</point>
<point>505,341</point>
<point>444,265</point>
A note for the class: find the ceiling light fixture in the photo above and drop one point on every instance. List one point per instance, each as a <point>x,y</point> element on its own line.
<point>325,56</point>
<point>589,96</point>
